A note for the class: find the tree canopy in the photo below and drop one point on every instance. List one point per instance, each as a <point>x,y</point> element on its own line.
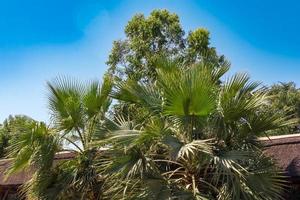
<point>159,34</point>
<point>185,134</point>
<point>148,39</point>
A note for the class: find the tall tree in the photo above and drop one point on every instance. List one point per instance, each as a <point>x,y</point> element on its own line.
<point>159,34</point>
<point>150,38</point>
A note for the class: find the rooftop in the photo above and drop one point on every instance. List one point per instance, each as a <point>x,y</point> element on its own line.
<point>21,177</point>
<point>285,150</point>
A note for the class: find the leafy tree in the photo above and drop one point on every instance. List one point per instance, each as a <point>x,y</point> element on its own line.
<point>160,34</point>
<point>12,127</point>
<point>285,99</point>
<point>4,138</point>
<point>147,40</point>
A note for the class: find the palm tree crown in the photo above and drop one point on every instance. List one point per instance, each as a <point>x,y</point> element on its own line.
<point>197,139</point>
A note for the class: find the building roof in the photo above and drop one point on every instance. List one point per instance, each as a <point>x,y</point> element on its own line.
<point>23,176</point>
<point>285,150</point>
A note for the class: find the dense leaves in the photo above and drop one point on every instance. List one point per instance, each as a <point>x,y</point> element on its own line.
<point>179,131</point>
<point>208,146</point>
<point>285,100</point>
<point>12,127</point>
<point>198,139</point>
<point>148,38</point>
<point>77,112</point>
<point>159,34</point>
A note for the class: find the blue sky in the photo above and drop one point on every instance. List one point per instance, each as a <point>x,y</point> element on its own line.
<point>42,39</point>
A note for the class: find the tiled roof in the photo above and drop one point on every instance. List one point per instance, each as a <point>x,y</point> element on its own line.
<point>285,150</point>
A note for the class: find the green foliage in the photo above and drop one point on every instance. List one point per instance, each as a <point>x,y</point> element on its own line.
<point>284,100</point>
<point>147,40</point>
<point>77,108</point>
<point>12,127</point>
<point>4,142</point>
<point>286,97</point>
<point>160,34</point>
<point>206,145</point>
<point>78,111</point>
<point>36,146</point>
<point>177,131</point>
<point>195,139</point>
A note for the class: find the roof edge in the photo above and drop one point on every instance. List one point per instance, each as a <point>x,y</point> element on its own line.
<point>275,137</point>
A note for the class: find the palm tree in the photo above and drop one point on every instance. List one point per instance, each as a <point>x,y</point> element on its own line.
<point>77,111</point>
<point>197,139</point>
<point>12,127</point>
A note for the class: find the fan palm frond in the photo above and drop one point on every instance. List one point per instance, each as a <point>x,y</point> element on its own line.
<point>36,147</point>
